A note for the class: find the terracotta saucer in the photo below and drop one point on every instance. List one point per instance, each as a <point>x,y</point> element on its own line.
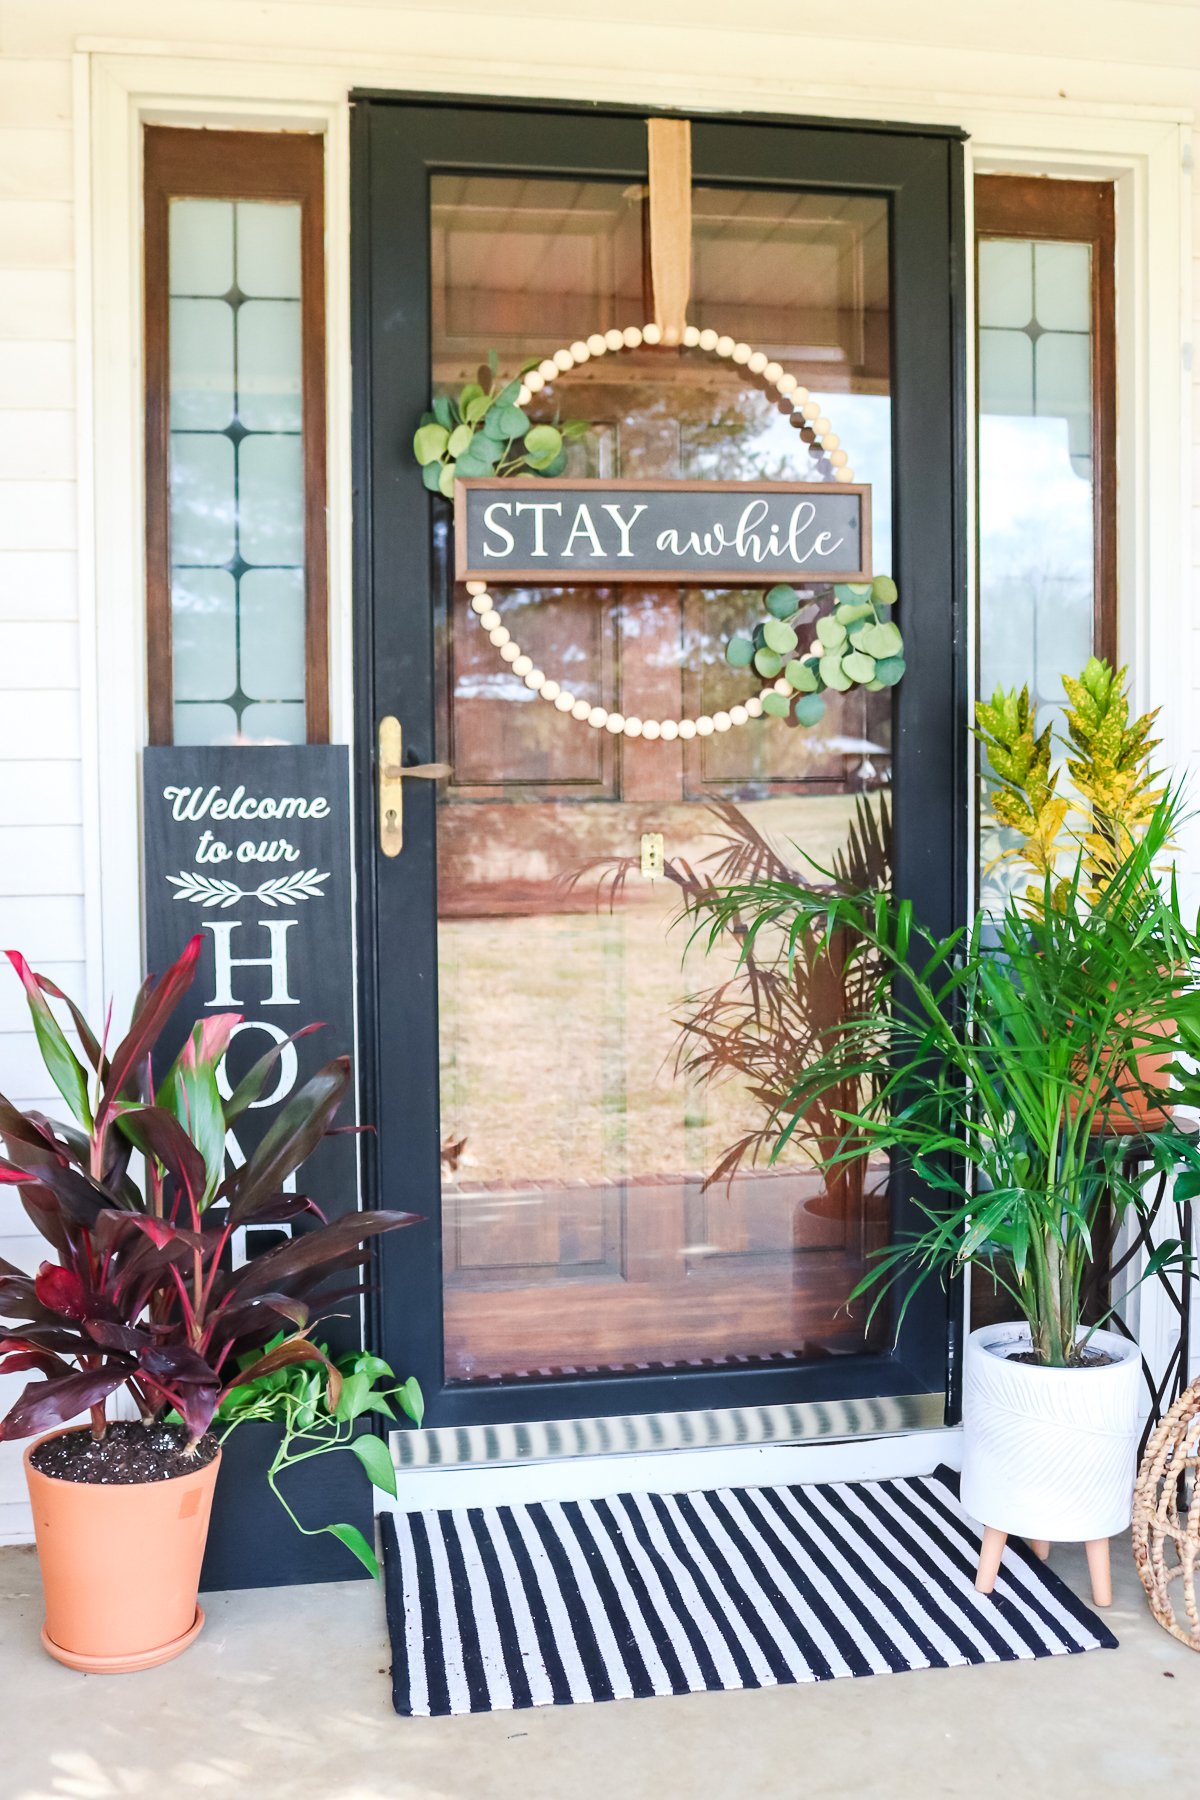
<point>124,1665</point>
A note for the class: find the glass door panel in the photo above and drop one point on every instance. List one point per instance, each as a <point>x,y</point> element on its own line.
<point>607,1088</point>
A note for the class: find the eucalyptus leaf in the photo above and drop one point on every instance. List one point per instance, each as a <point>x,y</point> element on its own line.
<point>780,636</point>
<point>472,391</point>
<point>831,634</point>
<point>889,670</point>
<point>858,667</point>
<point>543,441</point>
<point>443,411</point>
<point>429,443</point>
<point>555,466</point>
<point>446,480</point>
<point>884,591</point>
<point>778,705</point>
<point>851,592</point>
<point>810,709</point>
<point>884,640</point>
<point>803,676</point>
<point>782,602</point>
<point>478,408</point>
<point>514,421</point>
<point>431,475</point>
<point>460,440</point>
<point>832,673</point>
<point>739,652</point>
<point>768,663</point>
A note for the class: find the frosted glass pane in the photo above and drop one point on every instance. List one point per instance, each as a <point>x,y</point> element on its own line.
<point>203,503</point>
<point>269,391</point>
<point>1063,364</point>
<point>201,365</point>
<point>1063,286</point>
<point>205,724</point>
<point>272,613</point>
<point>201,246</point>
<point>274,724</point>
<point>1005,283</point>
<point>268,248</point>
<point>1005,373</point>
<point>204,633</point>
<point>271,491</point>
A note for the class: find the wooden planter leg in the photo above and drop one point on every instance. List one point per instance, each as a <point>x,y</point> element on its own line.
<point>989,1559</point>
<point>1100,1571</point>
<point>1040,1548</point>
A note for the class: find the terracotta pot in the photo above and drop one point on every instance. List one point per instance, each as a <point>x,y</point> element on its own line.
<point>1136,1110</point>
<point>120,1565</point>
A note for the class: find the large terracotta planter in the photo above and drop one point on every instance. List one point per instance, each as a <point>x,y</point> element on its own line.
<point>120,1566</point>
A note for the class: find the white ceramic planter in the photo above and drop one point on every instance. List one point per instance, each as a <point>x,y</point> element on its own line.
<point>1049,1454</point>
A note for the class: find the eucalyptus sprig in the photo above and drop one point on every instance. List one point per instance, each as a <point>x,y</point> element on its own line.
<point>486,432</point>
<point>857,645</point>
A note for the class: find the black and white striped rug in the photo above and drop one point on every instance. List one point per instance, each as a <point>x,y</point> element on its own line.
<point>547,1604</point>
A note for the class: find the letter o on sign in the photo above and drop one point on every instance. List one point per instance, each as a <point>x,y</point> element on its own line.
<point>287,1064</point>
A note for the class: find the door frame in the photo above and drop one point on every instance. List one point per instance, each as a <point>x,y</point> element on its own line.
<point>397,142</point>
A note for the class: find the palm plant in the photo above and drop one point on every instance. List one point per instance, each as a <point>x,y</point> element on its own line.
<point>991,1065</point>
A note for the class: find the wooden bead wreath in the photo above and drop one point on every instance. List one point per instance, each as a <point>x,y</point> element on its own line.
<point>824,438</point>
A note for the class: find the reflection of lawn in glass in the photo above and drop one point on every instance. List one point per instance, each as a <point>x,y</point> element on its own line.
<point>558,1030</point>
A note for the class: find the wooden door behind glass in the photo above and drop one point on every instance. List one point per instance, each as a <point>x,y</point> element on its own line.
<point>605,1088</point>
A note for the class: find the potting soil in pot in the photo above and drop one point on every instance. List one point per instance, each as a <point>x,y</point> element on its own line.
<point>129,1453</point>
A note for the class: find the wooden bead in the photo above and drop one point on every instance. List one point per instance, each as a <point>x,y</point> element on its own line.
<point>783,686</point>
<point>772,372</point>
<point>838,458</point>
<point>811,411</point>
<point>522,664</point>
<point>524,394</point>
<point>596,343</point>
<point>536,680</point>
<point>615,723</point>
<point>633,728</point>
<point>738,715</point>
<point>499,635</point>
<point>550,690</point>
<point>597,718</point>
<point>843,474</point>
<point>721,721</point>
<point>757,363</point>
<point>580,710</point>
<point>821,425</point>
<point>786,383</point>
<point>707,339</point>
<point>691,336</point>
<point>651,729</point>
<point>830,439</point>
<point>631,337</point>
<point>704,726</point>
<point>491,620</point>
<point>580,351</point>
<point>548,370</point>
<point>800,396</point>
<point>510,651</point>
<point>481,603</point>
<point>724,346</point>
<point>565,702</point>
<point>477,587</point>
<point>564,360</point>
<point>754,707</point>
<point>687,728</point>
<point>651,333</point>
<point>614,339</point>
<point>741,353</point>
<point>670,730</point>
<point>535,381</point>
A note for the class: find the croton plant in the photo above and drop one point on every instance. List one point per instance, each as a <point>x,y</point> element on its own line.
<point>141,1292</point>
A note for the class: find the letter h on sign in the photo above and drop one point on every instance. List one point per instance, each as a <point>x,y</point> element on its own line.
<point>225,962</point>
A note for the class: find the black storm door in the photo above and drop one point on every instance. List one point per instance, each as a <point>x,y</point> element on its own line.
<point>554,1076</point>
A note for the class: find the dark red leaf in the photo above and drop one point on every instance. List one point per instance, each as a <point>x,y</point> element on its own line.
<point>292,1350</point>
<point>294,1134</point>
<point>252,1083</point>
<point>112,1336</point>
<point>155,1004</point>
<point>87,1036</point>
<point>157,1134</point>
<point>33,1359</point>
<point>47,1403</point>
<point>315,1254</point>
<point>61,1291</point>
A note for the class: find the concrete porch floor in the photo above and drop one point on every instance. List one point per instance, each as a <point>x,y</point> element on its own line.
<point>286,1694</point>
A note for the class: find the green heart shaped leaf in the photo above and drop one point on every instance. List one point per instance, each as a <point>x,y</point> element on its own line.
<point>832,673</point>
<point>478,408</point>
<point>446,481</point>
<point>810,709</point>
<point>554,466</point>
<point>739,652</point>
<point>889,670</point>
<point>512,421</point>
<point>831,634</point>
<point>778,705</point>
<point>768,663</point>
<point>431,475</point>
<point>780,636</point>
<point>782,602</point>
<point>884,591</point>
<point>429,443</point>
<point>443,412</point>
<point>803,676</point>
<point>846,614</point>
<point>851,592</point>
<point>885,640</point>
<point>858,667</point>
<point>472,391</point>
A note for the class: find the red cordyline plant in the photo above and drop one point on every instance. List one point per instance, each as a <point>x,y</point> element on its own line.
<point>142,1294</point>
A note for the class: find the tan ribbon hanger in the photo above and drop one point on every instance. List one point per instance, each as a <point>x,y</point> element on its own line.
<point>669,143</point>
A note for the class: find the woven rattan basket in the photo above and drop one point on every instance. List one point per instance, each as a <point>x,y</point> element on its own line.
<point>1166,1519</point>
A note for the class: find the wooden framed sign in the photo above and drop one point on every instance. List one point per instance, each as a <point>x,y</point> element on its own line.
<point>696,533</point>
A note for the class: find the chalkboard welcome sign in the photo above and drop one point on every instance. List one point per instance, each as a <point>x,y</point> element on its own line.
<point>700,533</point>
<point>250,847</point>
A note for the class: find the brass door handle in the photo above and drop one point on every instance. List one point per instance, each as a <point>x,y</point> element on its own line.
<point>392,776</point>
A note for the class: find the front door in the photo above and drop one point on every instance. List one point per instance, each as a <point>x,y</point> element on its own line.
<point>574,1094</point>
